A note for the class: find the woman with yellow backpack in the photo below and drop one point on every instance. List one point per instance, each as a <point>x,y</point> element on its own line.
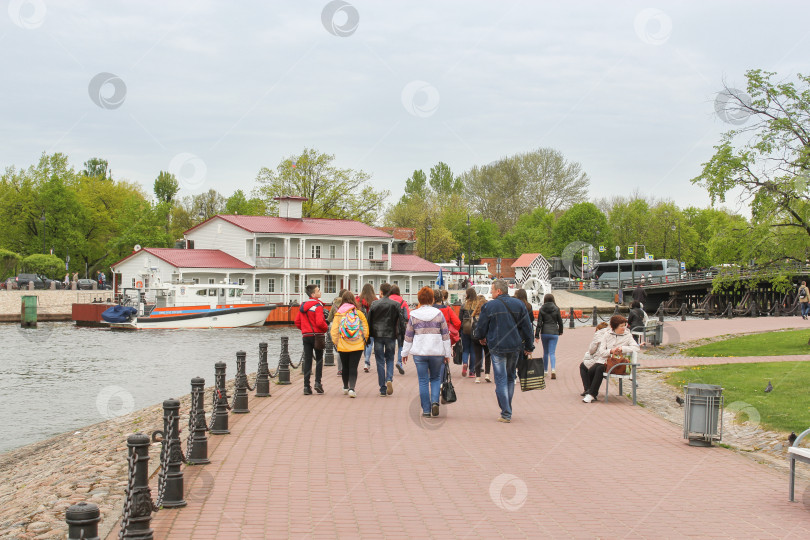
<point>349,334</point>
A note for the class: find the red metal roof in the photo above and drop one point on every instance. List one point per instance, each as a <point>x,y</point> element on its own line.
<point>411,263</point>
<point>193,258</point>
<point>313,226</point>
<point>525,260</point>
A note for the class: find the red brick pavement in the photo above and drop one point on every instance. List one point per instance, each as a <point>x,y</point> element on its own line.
<point>330,466</point>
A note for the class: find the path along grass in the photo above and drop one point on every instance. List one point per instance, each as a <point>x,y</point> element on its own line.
<point>764,344</point>
<point>785,408</point>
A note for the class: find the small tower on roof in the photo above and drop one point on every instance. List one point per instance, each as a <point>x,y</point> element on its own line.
<point>290,207</point>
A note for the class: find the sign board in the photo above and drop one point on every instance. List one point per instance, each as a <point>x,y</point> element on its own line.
<point>683,266</point>
<point>601,249</point>
<point>649,256</point>
<point>631,250</point>
<point>584,259</point>
<point>618,252</point>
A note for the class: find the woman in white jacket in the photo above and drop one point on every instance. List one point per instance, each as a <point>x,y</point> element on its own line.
<point>427,339</point>
<point>617,340</point>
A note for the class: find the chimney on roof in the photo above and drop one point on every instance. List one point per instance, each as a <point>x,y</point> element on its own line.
<point>290,207</point>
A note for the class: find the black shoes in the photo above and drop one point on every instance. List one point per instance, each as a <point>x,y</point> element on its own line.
<point>583,393</point>
<point>318,388</point>
<point>434,409</point>
<point>400,369</point>
<point>307,391</point>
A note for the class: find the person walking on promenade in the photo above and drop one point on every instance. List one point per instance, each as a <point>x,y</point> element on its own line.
<point>311,321</point>
<point>366,298</point>
<point>349,332</point>
<point>481,358</point>
<point>336,303</point>
<point>66,283</point>
<point>386,323</point>
<point>504,324</point>
<point>635,319</point>
<point>453,322</point>
<point>639,295</point>
<point>395,296</point>
<point>465,314</point>
<point>804,299</point>
<point>616,341</point>
<point>427,339</point>
<point>549,330</point>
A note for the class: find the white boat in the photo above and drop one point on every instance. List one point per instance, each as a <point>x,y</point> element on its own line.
<point>192,305</point>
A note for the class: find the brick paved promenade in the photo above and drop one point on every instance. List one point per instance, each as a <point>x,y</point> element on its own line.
<point>330,466</point>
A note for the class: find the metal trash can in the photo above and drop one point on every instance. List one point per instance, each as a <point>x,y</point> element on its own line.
<point>659,334</point>
<point>28,312</point>
<point>702,414</point>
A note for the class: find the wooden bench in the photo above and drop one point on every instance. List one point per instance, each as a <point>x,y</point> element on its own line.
<point>797,454</point>
<point>632,369</point>
<point>647,334</point>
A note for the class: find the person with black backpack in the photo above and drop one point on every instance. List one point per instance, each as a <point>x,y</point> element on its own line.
<point>465,314</point>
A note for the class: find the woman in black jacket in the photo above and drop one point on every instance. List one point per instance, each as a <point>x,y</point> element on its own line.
<point>635,319</point>
<point>549,330</point>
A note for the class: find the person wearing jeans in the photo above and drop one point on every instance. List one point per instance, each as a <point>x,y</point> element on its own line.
<point>350,346</point>
<point>549,330</point>
<point>504,324</point>
<point>394,295</point>
<point>429,369</point>
<point>804,299</point>
<point>386,324</point>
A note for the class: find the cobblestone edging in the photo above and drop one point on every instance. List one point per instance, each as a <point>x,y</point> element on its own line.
<point>750,440</point>
<point>50,302</point>
<point>39,481</point>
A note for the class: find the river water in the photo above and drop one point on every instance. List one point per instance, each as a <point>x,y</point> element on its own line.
<point>60,377</point>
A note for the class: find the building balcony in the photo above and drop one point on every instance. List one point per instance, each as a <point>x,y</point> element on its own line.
<point>321,264</point>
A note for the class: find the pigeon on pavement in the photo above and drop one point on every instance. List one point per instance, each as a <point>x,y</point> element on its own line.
<point>769,387</point>
<point>679,400</point>
<point>791,438</point>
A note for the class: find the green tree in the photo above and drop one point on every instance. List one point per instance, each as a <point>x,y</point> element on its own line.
<point>166,187</point>
<point>9,263</point>
<point>49,266</point>
<point>239,204</point>
<point>331,192</point>
<point>97,167</point>
<point>442,180</point>
<point>583,222</point>
<point>416,186</point>
<point>533,233</point>
<point>767,159</point>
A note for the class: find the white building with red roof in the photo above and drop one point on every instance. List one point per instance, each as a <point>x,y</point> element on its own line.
<point>531,265</point>
<point>276,257</point>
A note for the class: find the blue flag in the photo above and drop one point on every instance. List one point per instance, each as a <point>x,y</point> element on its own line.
<point>440,280</point>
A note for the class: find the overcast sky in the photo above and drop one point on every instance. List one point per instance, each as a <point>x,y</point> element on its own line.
<point>215,91</point>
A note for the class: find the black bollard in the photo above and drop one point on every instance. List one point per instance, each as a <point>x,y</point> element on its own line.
<point>240,400</point>
<point>329,351</point>
<point>730,311</point>
<point>82,520</point>
<point>754,312</point>
<point>170,478</point>
<point>777,309</point>
<point>284,362</point>
<point>138,503</point>
<point>219,422</point>
<point>595,316</point>
<point>197,443</point>
<point>683,312</point>
<point>263,375</point>
<point>571,318</point>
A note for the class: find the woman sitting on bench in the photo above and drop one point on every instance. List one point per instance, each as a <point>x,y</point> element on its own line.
<point>617,340</point>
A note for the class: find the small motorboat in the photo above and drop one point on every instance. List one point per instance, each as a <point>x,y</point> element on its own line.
<point>193,305</point>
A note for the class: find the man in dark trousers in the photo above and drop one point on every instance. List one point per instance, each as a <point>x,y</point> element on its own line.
<point>311,320</point>
<point>504,326</point>
<point>639,295</point>
<point>386,324</point>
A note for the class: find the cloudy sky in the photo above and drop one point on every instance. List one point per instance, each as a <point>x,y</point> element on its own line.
<point>213,91</point>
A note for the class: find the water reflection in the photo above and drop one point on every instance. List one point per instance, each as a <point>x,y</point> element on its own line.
<point>59,377</point>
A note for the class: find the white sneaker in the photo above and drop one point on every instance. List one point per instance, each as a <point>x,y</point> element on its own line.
<point>352,394</point>
<point>345,391</point>
<point>588,398</point>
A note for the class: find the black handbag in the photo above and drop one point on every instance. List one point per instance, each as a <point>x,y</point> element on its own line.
<point>530,373</point>
<point>457,351</point>
<point>448,393</point>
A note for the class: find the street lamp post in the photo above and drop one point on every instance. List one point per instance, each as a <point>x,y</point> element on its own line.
<point>42,219</point>
<point>679,247</point>
<point>469,246</point>
<point>427,231</point>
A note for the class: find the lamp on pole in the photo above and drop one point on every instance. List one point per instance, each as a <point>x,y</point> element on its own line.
<point>679,246</point>
<point>42,219</point>
<point>469,246</point>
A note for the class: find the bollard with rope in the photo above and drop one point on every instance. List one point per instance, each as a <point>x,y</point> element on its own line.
<point>138,505</point>
<point>329,351</point>
<point>197,442</point>
<point>660,313</point>
<point>284,362</point>
<point>595,322</point>
<point>240,396</point>
<point>219,416</point>
<point>170,477</point>
<point>571,318</point>
<point>263,375</point>
<point>683,312</point>
<point>82,520</point>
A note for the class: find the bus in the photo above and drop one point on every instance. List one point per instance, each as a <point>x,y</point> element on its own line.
<point>609,273</point>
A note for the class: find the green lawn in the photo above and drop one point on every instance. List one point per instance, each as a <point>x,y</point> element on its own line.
<point>765,344</point>
<point>786,408</point>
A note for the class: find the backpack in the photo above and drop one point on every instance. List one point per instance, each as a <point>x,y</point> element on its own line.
<point>350,326</point>
<point>466,323</point>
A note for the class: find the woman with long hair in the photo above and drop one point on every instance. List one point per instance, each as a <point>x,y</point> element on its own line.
<point>481,354</point>
<point>350,339</point>
<point>427,339</point>
<point>549,330</point>
<point>465,314</point>
<point>366,298</point>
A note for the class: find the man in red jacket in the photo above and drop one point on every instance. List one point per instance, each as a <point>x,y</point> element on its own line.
<point>311,321</point>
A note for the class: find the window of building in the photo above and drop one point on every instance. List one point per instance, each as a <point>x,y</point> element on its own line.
<point>432,284</point>
<point>356,252</point>
<point>271,285</point>
<point>133,283</point>
<point>420,284</point>
<point>395,282</point>
<point>271,250</point>
<point>316,251</point>
<point>248,248</point>
<point>241,281</point>
<point>385,249</point>
<point>256,285</point>
<point>371,252</point>
<point>258,249</point>
<point>210,281</point>
<point>332,252</point>
<point>408,286</point>
<point>296,283</point>
<point>195,280</point>
<point>331,284</point>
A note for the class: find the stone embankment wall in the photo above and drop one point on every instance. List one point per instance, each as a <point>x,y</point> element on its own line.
<point>48,302</point>
<point>39,481</point>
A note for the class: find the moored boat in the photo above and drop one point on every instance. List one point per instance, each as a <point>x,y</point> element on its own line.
<point>193,305</point>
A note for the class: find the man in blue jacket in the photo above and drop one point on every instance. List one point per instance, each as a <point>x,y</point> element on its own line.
<point>504,326</point>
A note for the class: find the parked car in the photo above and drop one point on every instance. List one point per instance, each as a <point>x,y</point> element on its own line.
<point>87,285</point>
<point>22,281</point>
<point>560,282</point>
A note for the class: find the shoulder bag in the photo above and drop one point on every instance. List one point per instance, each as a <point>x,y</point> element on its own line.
<point>448,393</point>
<point>614,359</point>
